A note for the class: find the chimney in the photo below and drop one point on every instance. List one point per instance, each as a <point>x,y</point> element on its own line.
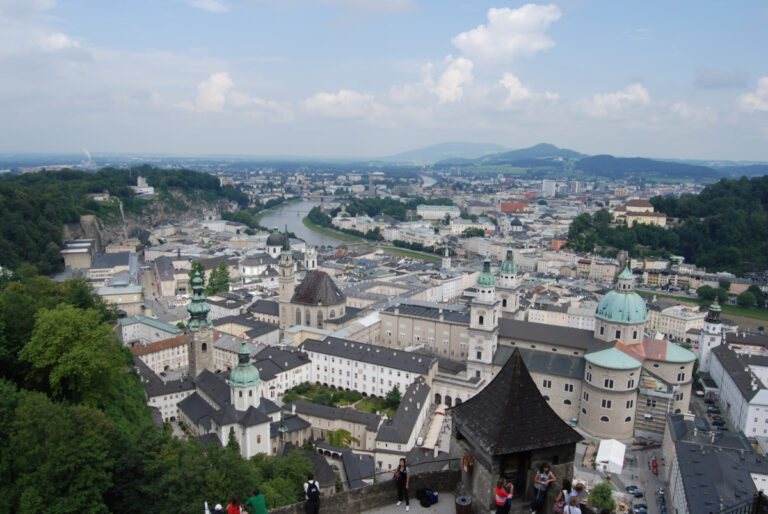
<point>436,451</point>
<point>293,409</point>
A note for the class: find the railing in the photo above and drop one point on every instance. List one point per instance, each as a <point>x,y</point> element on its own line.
<point>453,464</point>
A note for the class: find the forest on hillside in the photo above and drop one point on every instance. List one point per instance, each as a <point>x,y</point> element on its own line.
<point>76,434</point>
<point>724,228</point>
<point>35,206</point>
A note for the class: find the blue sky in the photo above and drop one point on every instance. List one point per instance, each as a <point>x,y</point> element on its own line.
<point>353,78</point>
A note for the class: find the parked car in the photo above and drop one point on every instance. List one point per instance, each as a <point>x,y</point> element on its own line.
<point>631,488</point>
<point>709,401</point>
<point>638,493</point>
<point>661,493</point>
<point>713,410</point>
<point>715,416</point>
<point>642,506</point>
<point>655,467</point>
<point>718,422</point>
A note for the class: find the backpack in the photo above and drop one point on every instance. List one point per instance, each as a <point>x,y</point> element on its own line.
<point>313,493</point>
<point>424,497</point>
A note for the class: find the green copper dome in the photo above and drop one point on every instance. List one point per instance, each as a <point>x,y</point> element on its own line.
<point>198,308</point>
<point>245,374</point>
<point>622,307</point>
<point>485,279</point>
<point>509,267</point>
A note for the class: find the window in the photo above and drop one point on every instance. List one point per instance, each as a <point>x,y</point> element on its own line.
<point>589,377</point>
<point>569,388</point>
<point>204,347</point>
<point>604,419</point>
<point>608,382</point>
<point>630,383</point>
<point>480,319</point>
<point>634,334</point>
<point>606,404</point>
<point>627,419</point>
<point>618,334</point>
<point>298,316</point>
<point>567,402</point>
<point>319,319</point>
<point>547,384</point>
<point>681,377</point>
<point>650,402</point>
<point>583,411</point>
<point>546,398</point>
<point>258,438</point>
<point>479,355</point>
<point>504,302</point>
<point>586,396</point>
<point>630,403</point>
<point>332,314</point>
<point>602,331</point>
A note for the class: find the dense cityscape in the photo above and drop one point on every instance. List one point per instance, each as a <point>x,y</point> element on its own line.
<point>464,327</point>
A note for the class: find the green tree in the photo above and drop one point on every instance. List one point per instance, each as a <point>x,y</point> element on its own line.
<point>746,299</point>
<point>725,284</point>
<point>706,293</point>
<point>197,267</point>
<point>393,398</point>
<point>73,355</point>
<point>721,294</point>
<point>473,232</point>
<point>601,497</point>
<point>341,438</point>
<point>759,297</point>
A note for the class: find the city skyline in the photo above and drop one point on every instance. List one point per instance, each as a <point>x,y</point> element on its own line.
<point>355,78</point>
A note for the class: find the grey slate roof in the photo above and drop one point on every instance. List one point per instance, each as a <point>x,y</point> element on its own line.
<point>257,328</point>
<point>547,334</point>
<point>734,366</point>
<point>110,260</point>
<point>370,354</point>
<point>746,338</point>
<point>207,439</point>
<point>318,288</point>
<point>269,307</point>
<point>154,385</point>
<point>271,360</point>
<point>292,423</point>
<point>197,409</point>
<point>357,467</point>
<point>399,428</point>
<point>557,364</point>
<point>214,386</point>
<point>371,421</point>
<point>507,416</point>
<point>716,475</point>
<point>422,311</point>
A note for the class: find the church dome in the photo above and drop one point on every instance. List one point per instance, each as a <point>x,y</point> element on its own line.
<point>245,374</point>
<point>622,307</point>
<point>275,239</point>
<point>485,279</point>
<point>509,267</point>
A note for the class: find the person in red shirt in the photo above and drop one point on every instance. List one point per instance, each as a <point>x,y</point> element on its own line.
<point>502,495</point>
<point>234,507</point>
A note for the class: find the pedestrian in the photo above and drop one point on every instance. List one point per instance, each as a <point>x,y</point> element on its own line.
<point>573,506</point>
<point>510,488</point>
<point>312,492</point>
<point>403,479</point>
<point>256,504</point>
<point>541,481</point>
<point>502,496</point>
<point>579,492</point>
<point>218,508</point>
<point>234,507</point>
<point>562,499</point>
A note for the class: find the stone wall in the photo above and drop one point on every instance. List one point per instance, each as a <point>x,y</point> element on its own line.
<point>378,495</point>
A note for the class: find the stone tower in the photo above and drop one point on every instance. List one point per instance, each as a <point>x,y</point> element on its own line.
<point>200,330</point>
<point>310,258</point>
<point>711,335</point>
<point>446,264</point>
<point>287,283</point>
<point>483,325</point>
<point>508,283</point>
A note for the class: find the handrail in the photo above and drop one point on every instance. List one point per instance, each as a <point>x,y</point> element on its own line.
<point>301,496</point>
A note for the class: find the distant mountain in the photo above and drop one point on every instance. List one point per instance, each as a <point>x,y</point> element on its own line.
<point>540,151</point>
<point>444,151</point>
<point>610,166</point>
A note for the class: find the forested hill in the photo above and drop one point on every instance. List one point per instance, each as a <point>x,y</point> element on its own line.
<point>34,206</point>
<point>724,228</point>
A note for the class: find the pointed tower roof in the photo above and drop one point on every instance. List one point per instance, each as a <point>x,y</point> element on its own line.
<point>286,242</point>
<point>509,266</point>
<point>626,274</point>
<point>510,415</point>
<point>245,374</point>
<point>198,308</point>
<point>486,279</point>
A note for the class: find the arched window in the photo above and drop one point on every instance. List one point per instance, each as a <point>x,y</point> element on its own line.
<point>298,316</point>
<point>333,314</point>
<point>448,401</point>
<point>634,334</point>
<point>504,302</point>
<point>480,319</point>
<point>604,419</point>
<point>627,419</point>
<point>458,401</point>
<point>258,438</point>
<point>546,398</point>
<point>438,399</point>
<point>204,347</point>
<point>319,319</point>
<point>240,394</point>
<point>307,321</point>
<point>567,402</point>
<point>602,330</point>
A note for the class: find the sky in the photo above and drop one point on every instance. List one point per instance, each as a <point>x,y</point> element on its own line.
<point>367,78</point>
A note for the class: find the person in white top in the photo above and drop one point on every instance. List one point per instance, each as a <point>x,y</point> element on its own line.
<point>573,507</point>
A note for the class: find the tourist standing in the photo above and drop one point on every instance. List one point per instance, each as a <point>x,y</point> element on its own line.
<point>573,506</point>
<point>502,496</point>
<point>312,492</point>
<point>564,497</point>
<point>541,481</point>
<point>234,507</point>
<point>256,504</point>
<point>403,479</point>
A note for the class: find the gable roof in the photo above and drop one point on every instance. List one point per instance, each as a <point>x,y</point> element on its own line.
<point>318,288</point>
<point>508,415</point>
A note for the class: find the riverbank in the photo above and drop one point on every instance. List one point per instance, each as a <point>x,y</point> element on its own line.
<point>732,311</point>
<point>263,213</point>
<point>370,244</point>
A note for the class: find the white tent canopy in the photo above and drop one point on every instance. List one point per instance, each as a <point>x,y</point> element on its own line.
<point>610,456</point>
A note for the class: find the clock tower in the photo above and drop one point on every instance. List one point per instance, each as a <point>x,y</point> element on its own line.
<point>200,330</point>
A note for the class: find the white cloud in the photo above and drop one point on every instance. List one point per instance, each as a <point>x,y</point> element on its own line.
<point>685,112</point>
<point>613,105</point>
<point>756,101</point>
<point>212,93</point>
<point>509,33</point>
<point>450,85</point>
<point>344,105</point>
<point>57,41</point>
<point>517,92</point>
<point>210,5</point>
<point>376,6</point>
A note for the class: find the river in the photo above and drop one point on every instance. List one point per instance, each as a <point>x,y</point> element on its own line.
<point>427,181</point>
<point>292,215</point>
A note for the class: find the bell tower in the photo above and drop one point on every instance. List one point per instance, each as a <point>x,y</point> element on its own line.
<point>483,325</point>
<point>711,335</point>
<point>200,330</point>
<point>287,283</point>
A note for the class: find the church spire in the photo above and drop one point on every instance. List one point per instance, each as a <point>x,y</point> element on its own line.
<point>198,308</point>
<point>286,241</point>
